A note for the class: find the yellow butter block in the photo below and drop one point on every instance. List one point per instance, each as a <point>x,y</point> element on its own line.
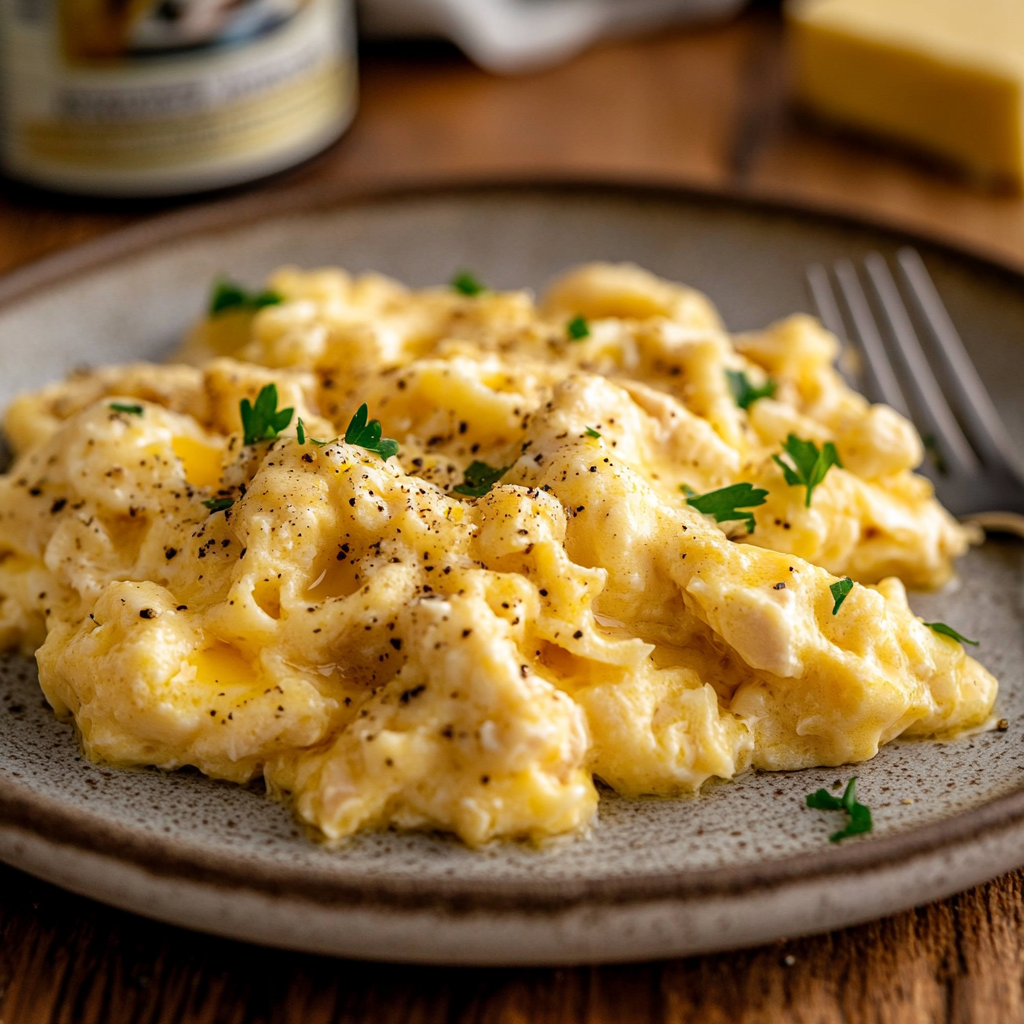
<point>946,76</point>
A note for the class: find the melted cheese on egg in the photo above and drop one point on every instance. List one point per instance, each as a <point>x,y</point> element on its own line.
<point>387,652</point>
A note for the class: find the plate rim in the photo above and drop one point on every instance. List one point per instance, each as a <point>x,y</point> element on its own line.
<point>45,816</point>
<point>226,214</point>
<point>49,819</point>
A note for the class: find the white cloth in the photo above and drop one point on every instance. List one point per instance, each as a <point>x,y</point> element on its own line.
<point>513,36</point>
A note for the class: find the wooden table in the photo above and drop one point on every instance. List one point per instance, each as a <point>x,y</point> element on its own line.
<point>704,109</point>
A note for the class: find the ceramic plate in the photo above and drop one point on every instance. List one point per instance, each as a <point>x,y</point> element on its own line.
<point>743,863</point>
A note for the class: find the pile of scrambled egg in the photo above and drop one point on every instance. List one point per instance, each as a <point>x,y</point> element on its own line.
<point>465,635</point>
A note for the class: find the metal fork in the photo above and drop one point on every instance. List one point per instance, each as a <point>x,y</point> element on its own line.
<point>974,466</point>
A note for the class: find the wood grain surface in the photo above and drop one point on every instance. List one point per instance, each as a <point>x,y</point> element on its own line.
<point>706,109</point>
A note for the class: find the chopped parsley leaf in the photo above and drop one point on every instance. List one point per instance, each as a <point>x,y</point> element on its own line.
<point>725,503</point>
<point>811,463</point>
<point>466,283</point>
<point>131,410</point>
<point>934,453</point>
<point>577,328</point>
<point>229,295</point>
<point>264,421</point>
<point>368,435</point>
<point>218,504</point>
<point>860,816</point>
<point>746,393</point>
<point>479,478</point>
<point>303,437</point>
<point>941,627</point>
<point>840,589</point>
<point>591,432</point>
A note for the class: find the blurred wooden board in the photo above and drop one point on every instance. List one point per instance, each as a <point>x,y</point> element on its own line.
<point>705,109</point>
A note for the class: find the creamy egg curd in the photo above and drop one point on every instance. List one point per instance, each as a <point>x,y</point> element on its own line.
<point>615,543</point>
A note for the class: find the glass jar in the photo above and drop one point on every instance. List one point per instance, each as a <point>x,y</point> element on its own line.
<point>160,97</point>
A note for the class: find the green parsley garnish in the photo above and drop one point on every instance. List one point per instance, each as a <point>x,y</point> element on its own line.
<point>725,503</point>
<point>840,589</point>
<point>132,410</point>
<point>941,627</point>
<point>811,463</point>
<point>746,393</point>
<point>860,816</point>
<point>479,478</point>
<point>367,435</point>
<point>591,432</point>
<point>228,295</point>
<point>577,328</point>
<point>303,437</point>
<point>466,283</point>
<point>934,453</point>
<point>264,421</point>
<point>218,504</point>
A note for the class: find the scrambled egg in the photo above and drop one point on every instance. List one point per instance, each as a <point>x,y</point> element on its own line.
<point>388,651</point>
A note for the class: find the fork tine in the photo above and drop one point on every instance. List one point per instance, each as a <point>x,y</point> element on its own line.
<point>828,313</point>
<point>825,299</point>
<point>932,405</point>
<point>982,420</point>
<point>870,340</point>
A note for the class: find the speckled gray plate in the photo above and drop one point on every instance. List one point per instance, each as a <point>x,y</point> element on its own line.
<point>743,863</point>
